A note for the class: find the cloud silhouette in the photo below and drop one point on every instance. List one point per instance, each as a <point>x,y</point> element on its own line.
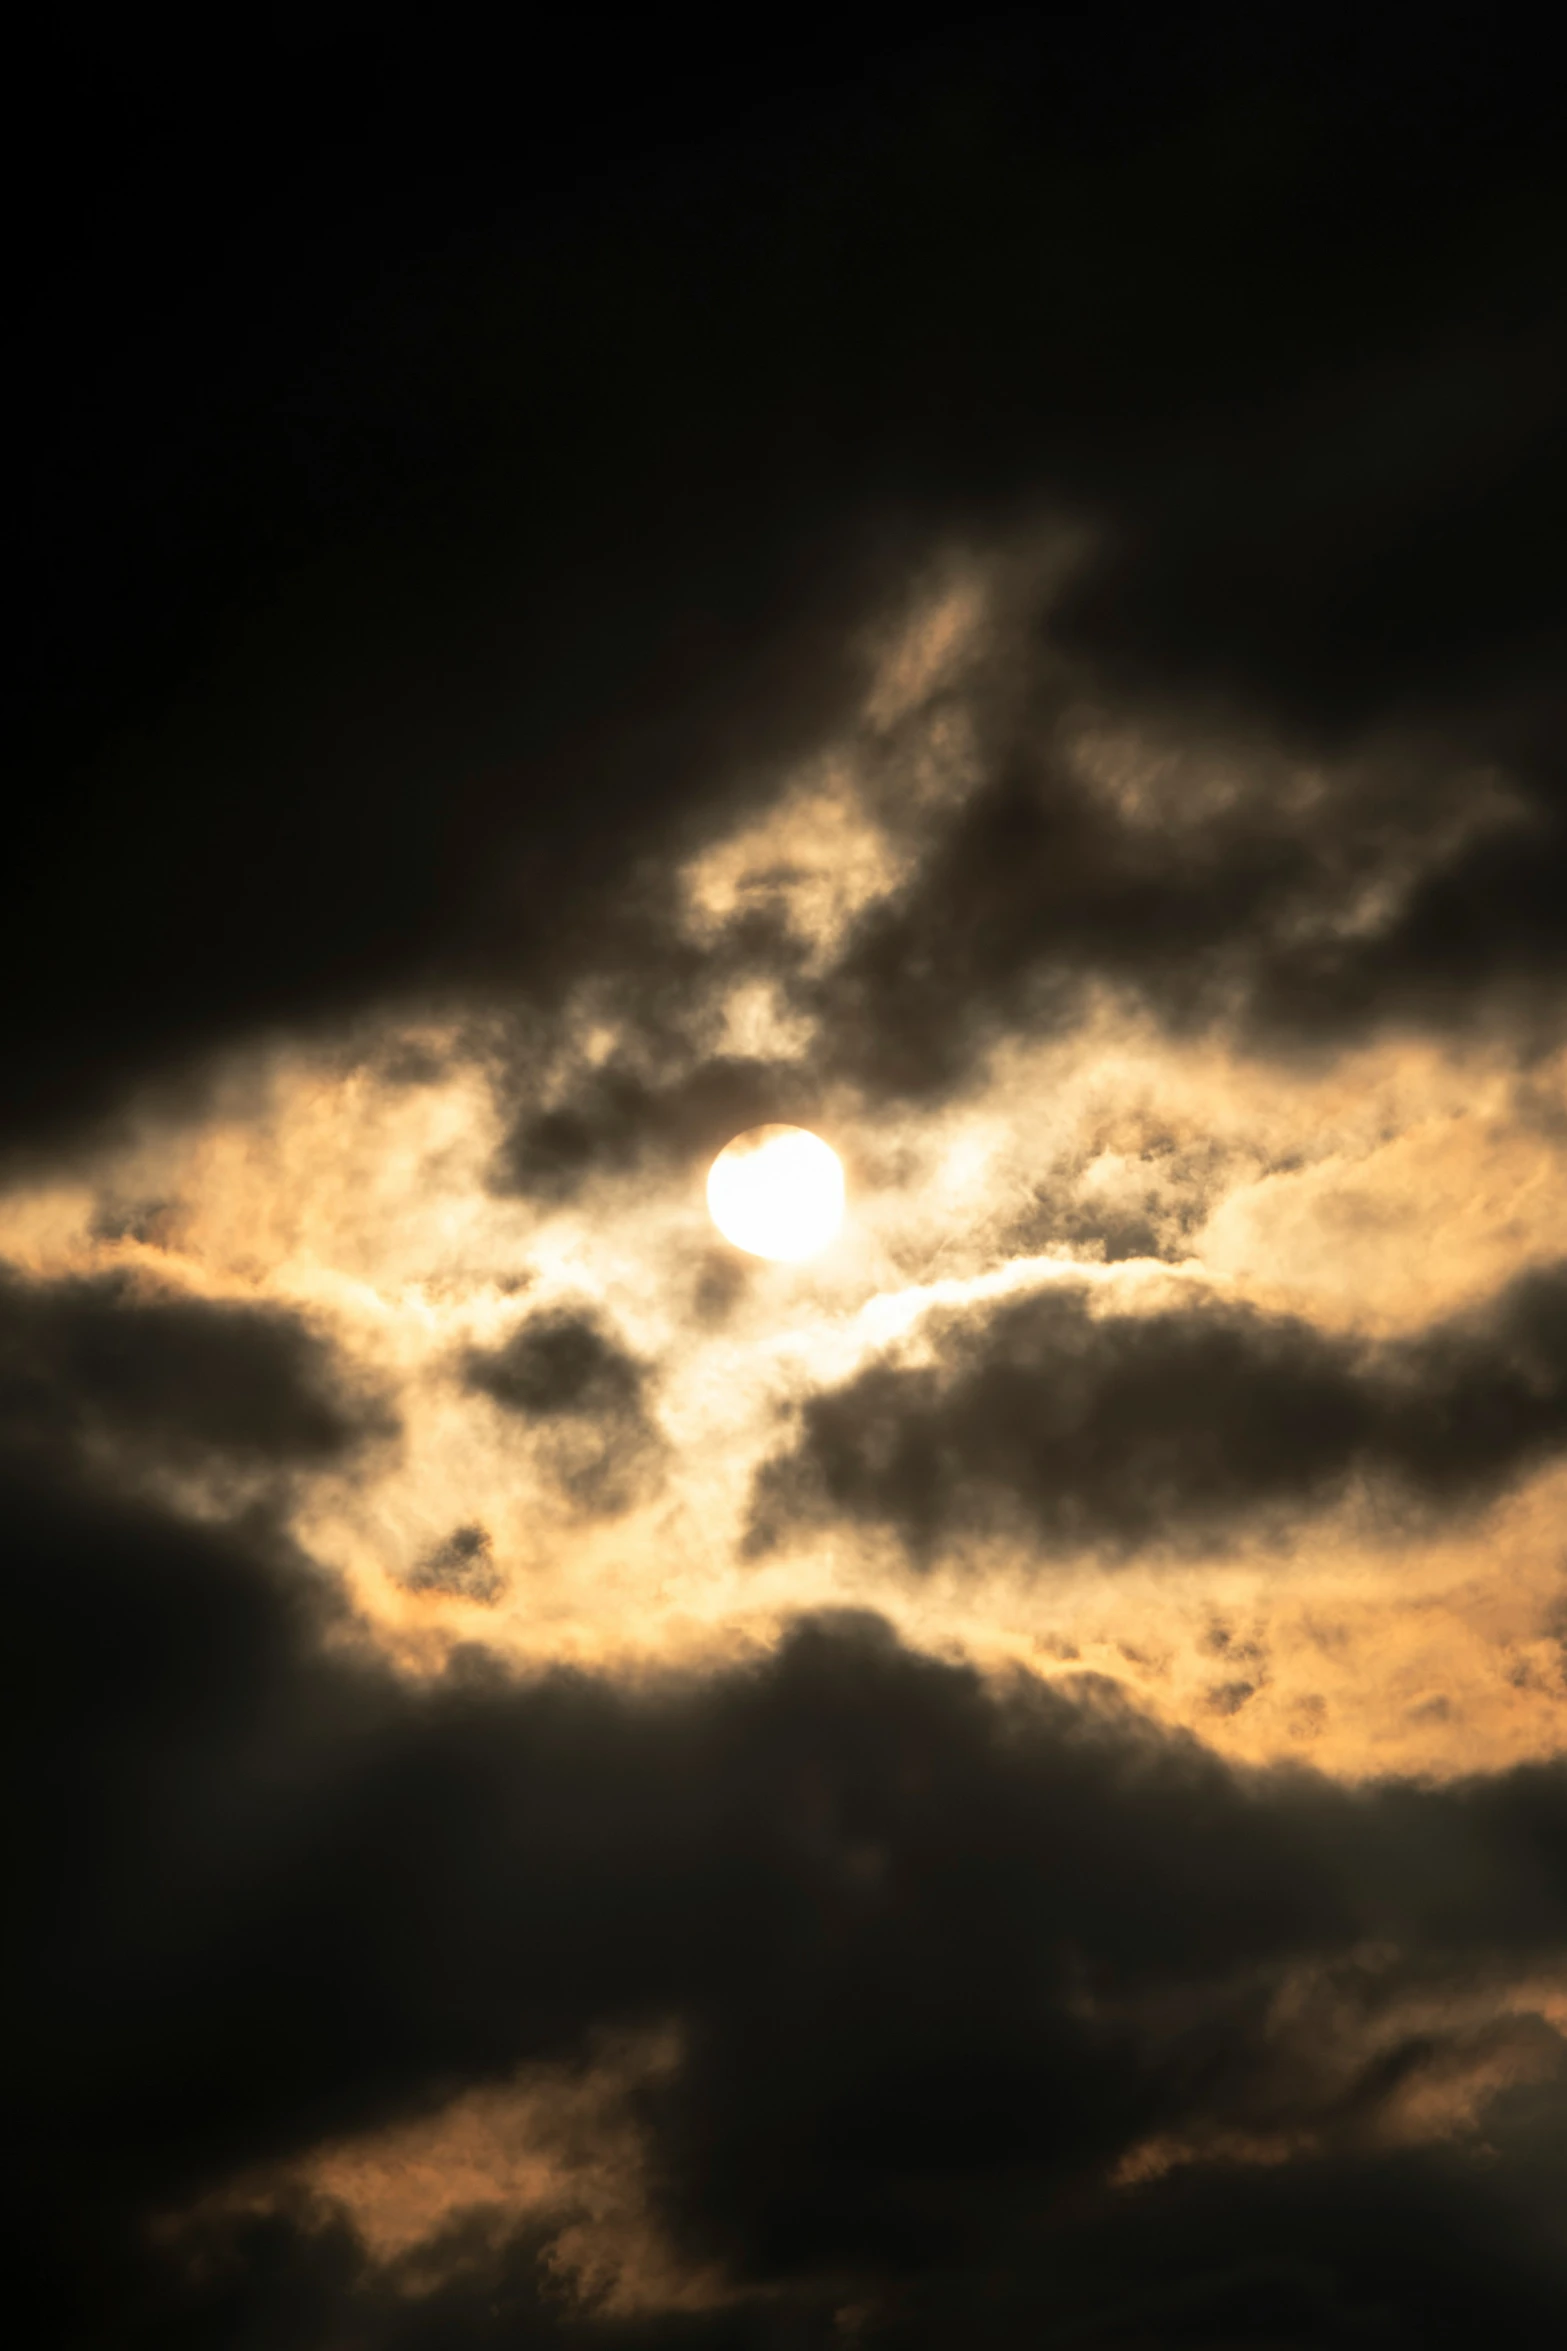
<point>1174,1425</point>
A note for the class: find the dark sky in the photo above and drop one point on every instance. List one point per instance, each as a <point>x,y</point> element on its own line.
<point>994,590</point>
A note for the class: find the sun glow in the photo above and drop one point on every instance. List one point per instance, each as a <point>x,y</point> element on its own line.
<point>777,1191</point>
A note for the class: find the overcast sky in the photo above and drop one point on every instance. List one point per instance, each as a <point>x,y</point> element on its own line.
<point>997,596</point>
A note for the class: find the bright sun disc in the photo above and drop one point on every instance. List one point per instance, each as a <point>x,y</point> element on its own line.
<point>777,1192</point>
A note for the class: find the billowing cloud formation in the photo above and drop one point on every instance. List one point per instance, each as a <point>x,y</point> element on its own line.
<point>1002,603</point>
<point>1174,1422</point>
<point>959,1971</point>
<point>572,606</point>
<point>1223,867</point>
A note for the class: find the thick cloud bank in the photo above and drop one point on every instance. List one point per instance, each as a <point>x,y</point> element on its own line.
<point>978,1982</point>
<point>380,645</point>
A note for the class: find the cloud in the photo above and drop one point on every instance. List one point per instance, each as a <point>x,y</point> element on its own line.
<point>616,1118</point>
<point>465,702</point>
<point>463,1566</point>
<point>1218,865</point>
<point>1175,1424</point>
<point>565,1376</point>
<point>942,1954</point>
<point>1007,604</point>
<point>294,2275</point>
<point>105,1361</point>
<point>1257,886</point>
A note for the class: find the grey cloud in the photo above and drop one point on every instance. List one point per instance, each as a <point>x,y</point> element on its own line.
<point>463,1566</point>
<point>943,1953</point>
<point>586,1397</point>
<point>619,1117</point>
<point>1418,880</point>
<point>559,1364</point>
<point>1408,874</point>
<point>175,1378</point>
<point>464,696</point>
<point>1081,1427</point>
<point>439,512</point>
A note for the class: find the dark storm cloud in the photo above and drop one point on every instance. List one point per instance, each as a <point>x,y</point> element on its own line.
<point>106,1359</point>
<point>415,551</point>
<point>1419,2252</point>
<point>562,1373</point>
<point>1175,1426</point>
<point>944,1953</point>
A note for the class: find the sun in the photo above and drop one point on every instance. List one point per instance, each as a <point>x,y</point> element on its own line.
<point>777,1191</point>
